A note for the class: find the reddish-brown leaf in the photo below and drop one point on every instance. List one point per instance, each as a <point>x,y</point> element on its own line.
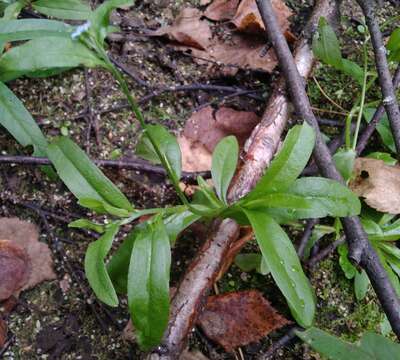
<point>221,10</point>
<point>188,29</point>
<point>239,318</point>
<point>14,268</point>
<point>3,332</point>
<point>25,235</point>
<point>248,18</point>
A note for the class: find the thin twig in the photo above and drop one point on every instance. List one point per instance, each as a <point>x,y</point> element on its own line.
<point>385,79</point>
<point>306,236</point>
<point>376,118</point>
<point>127,164</point>
<point>360,250</point>
<point>325,252</point>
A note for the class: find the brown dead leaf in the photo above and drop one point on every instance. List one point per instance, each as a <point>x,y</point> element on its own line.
<point>15,268</point>
<point>188,29</point>
<point>25,235</point>
<point>195,156</point>
<point>248,18</point>
<point>378,184</point>
<point>239,318</point>
<point>221,10</point>
<point>3,332</point>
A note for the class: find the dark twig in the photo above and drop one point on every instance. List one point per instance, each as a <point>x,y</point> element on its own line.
<point>128,164</point>
<point>361,250</point>
<point>325,252</point>
<point>5,347</point>
<point>306,236</point>
<point>380,111</point>
<point>91,117</point>
<point>389,96</point>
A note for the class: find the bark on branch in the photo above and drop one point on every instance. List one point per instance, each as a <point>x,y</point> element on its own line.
<point>259,151</point>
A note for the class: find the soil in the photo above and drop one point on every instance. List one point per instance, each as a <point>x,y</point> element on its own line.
<point>62,319</point>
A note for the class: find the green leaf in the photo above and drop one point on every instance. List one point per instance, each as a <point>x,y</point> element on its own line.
<point>380,347</point>
<point>332,347</point>
<point>63,9</point>
<point>205,196</point>
<point>148,284</point>
<point>99,19</point>
<point>61,53</point>
<point>353,70</point>
<point>27,29</point>
<point>289,163</point>
<point>348,268</point>
<point>316,234</point>
<point>344,161</point>
<point>252,261</point>
<point>385,157</point>
<point>224,162</point>
<point>383,129</point>
<point>82,177</point>
<point>361,284</point>
<point>326,45</point>
<point>10,12</point>
<point>169,148</point>
<point>394,41</point>
<point>119,263</point>
<point>87,224</point>
<point>95,268</point>
<point>284,264</point>
<point>309,197</point>
<point>19,122</point>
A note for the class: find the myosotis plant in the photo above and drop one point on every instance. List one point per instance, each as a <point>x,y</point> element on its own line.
<point>140,267</point>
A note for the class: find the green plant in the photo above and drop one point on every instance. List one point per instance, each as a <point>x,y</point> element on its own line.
<point>371,346</point>
<point>140,267</point>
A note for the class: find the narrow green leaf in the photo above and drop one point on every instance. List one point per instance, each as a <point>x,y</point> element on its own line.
<point>100,18</point>
<point>284,264</point>
<point>61,53</point>
<point>353,70</point>
<point>95,268</point>
<point>380,347</point>
<point>27,29</point>
<point>348,268</point>
<point>224,162</point>
<point>289,163</point>
<point>332,347</point>
<point>167,144</point>
<point>361,284</point>
<point>82,177</point>
<point>63,9</point>
<point>316,234</point>
<point>252,261</point>
<point>385,157</point>
<point>19,122</point>
<point>383,129</point>
<point>326,45</point>
<point>344,161</point>
<point>87,224</point>
<point>394,40</point>
<point>11,12</point>
<point>148,284</point>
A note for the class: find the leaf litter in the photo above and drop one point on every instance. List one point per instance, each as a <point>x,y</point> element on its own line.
<point>235,48</point>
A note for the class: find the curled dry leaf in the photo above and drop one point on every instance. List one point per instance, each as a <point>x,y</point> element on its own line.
<point>25,235</point>
<point>221,10</point>
<point>239,318</point>
<point>3,332</point>
<point>378,184</point>
<point>15,268</point>
<point>206,127</point>
<point>188,29</point>
<point>248,18</point>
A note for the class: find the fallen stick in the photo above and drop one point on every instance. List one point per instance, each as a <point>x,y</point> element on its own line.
<point>360,250</point>
<point>259,151</point>
<point>127,164</point>
<point>385,79</point>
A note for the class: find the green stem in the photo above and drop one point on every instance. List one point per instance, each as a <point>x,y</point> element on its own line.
<point>363,92</point>
<point>136,110</point>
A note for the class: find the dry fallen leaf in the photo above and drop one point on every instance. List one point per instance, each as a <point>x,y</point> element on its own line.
<point>239,318</point>
<point>3,332</point>
<point>248,18</point>
<point>15,268</point>
<point>221,10</point>
<point>24,234</point>
<point>378,184</point>
<point>188,29</point>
